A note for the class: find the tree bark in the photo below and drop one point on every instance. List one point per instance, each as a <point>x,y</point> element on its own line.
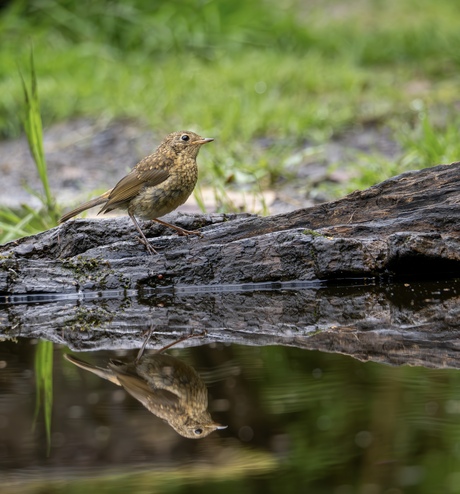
<point>407,225</point>
<point>399,323</point>
<point>338,277</point>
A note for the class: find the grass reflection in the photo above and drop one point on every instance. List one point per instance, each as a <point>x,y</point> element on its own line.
<point>44,385</point>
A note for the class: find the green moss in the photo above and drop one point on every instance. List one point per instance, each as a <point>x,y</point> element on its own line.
<point>315,233</point>
<point>88,318</point>
<point>8,256</point>
<point>85,270</point>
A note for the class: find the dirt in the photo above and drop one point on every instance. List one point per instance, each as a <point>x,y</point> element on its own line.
<point>87,156</point>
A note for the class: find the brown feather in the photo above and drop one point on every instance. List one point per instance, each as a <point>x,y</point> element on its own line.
<point>130,185</point>
<point>97,201</point>
<point>154,399</point>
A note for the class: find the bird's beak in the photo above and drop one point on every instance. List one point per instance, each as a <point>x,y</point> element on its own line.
<point>203,141</point>
<point>220,427</point>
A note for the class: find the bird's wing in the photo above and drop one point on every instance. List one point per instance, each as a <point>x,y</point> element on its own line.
<point>153,399</point>
<point>128,187</point>
<point>99,371</point>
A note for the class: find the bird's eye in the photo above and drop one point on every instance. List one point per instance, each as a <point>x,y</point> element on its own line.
<point>185,137</point>
<point>198,432</point>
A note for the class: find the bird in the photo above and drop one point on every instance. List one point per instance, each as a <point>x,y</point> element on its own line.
<point>157,185</point>
<point>168,387</point>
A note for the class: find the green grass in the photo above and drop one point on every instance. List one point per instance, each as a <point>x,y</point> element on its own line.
<point>34,132</point>
<point>286,73</point>
<point>28,220</point>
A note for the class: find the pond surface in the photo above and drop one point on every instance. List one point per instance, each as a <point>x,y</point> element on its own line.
<point>298,420</point>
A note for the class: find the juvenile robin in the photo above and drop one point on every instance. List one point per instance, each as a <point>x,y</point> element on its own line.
<point>157,185</point>
<point>166,386</point>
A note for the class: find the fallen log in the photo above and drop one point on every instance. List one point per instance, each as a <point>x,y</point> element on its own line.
<point>405,226</point>
<point>339,277</point>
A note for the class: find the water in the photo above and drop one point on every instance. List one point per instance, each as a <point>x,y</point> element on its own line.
<point>300,374</point>
<point>297,420</point>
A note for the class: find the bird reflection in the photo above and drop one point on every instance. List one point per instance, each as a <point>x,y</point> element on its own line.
<point>166,386</point>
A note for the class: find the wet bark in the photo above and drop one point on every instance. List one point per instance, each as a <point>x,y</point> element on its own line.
<point>399,323</point>
<point>339,277</point>
<point>407,225</point>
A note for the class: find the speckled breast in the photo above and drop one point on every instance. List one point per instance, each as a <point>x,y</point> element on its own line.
<point>154,202</point>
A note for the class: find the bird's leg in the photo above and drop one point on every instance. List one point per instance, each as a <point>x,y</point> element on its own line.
<point>179,230</point>
<point>180,340</point>
<point>161,350</point>
<point>147,339</point>
<point>143,238</point>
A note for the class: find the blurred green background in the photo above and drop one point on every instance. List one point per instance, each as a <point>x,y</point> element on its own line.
<point>267,79</point>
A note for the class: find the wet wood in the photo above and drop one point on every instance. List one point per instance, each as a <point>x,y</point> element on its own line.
<point>399,323</point>
<point>408,225</point>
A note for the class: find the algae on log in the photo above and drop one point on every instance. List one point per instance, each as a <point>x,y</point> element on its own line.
<point>406,225</point>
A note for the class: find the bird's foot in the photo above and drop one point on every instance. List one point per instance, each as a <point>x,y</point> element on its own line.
<point>179,230</point>
<point>185,233</point>
<point>147,245</point>
<point>197,335</point>
<point>184,338</point>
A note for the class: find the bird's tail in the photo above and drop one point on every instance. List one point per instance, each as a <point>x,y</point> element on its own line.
<point>97,201</point>
<point>99,371</point>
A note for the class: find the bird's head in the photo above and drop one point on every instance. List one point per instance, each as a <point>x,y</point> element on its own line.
<point>184,142</point>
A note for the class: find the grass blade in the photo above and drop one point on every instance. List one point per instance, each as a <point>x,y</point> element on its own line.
<point>34,130</point>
